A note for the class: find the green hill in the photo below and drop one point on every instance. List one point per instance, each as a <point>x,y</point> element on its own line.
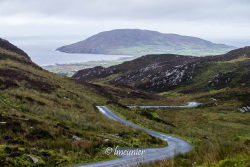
<point>52,118</point>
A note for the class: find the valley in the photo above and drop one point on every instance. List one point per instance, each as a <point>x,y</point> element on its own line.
<point>216,129</point>
<point>128,83</point>
<point>51,120</point>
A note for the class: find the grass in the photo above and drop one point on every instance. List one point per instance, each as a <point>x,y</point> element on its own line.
<point>239,69</point>
<point>41,112</point>
<point>166,48</point>
<point>220,135</point>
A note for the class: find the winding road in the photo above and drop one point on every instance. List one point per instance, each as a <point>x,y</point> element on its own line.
<point>175,145</point>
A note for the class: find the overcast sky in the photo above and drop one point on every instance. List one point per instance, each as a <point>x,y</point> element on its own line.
<point>223,21</point>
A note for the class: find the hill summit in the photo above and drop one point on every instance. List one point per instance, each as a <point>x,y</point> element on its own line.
<point>142,42</point>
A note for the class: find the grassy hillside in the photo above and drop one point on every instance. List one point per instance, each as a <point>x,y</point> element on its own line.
<point>187,49</point>
<point>53,119</point>
<point>219,133</point>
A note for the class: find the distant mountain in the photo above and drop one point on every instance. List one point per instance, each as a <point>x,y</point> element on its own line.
<point>142,42</point>
<point>167,71</point>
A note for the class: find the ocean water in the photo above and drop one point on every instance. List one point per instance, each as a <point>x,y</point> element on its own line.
<point>42,51</point>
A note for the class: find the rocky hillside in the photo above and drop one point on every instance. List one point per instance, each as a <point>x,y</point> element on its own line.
<point>165,72</point>
<point>135,65</point>
<point>50,120</point>
<point>142,42</point>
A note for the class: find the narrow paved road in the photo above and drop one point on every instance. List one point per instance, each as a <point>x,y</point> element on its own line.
<point>190,104</point>
<point>175,146</point>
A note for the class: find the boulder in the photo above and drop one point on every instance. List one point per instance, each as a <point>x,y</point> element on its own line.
<point>244,109</point>
<point>33,159</point>
<point>75,138</point>
<point>213,99</point>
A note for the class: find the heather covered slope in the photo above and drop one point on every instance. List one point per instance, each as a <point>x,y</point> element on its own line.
<point>131,66</point>
<point>166,72</point>
<point>142,42</point>
<point>52,119</point>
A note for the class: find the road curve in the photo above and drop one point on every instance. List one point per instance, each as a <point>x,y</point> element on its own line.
<point>175,146</point>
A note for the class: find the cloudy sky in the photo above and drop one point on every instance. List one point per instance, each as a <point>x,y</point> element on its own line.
<point>221,21</point>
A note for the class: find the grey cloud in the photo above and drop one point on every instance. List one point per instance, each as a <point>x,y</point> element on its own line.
<point>220,20</point>
<point>230,10</point>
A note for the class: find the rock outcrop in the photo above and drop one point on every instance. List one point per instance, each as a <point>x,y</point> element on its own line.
<point>221,79</point>
<point>244,109</point>
<point>158,77</point>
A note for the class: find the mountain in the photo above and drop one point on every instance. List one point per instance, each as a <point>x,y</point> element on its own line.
<point>50,120</point>
<point>165,72</point>
<point>142,42</point>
